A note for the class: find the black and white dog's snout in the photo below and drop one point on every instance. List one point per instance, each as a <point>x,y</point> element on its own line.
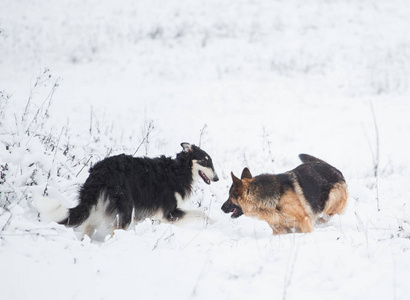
<point>201,163</point>
<point>206,174</point>
<point>214,177</point>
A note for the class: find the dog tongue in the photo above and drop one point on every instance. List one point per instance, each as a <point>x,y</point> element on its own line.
<point>204,177</point>
<point>234,212</point>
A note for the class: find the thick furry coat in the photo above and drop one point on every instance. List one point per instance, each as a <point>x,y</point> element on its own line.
<point>313,191</point>
<point>122,187</point>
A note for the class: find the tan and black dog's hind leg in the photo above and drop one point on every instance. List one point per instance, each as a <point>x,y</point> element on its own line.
<point>336,204</point>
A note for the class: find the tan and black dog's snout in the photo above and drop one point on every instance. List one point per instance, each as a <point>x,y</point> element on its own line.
<point>230,207</point>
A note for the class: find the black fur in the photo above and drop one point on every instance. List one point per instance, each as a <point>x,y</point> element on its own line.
<point>317,178</point>
<point>309,158</point>
<point>144,184</point>
<point>273,185</point>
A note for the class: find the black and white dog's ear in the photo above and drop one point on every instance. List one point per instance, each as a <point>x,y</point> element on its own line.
<point>187,147</point>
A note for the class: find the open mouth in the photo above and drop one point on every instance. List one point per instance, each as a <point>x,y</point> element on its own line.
<point>236,212</point>
<point>229,207</point>
<point>204,177</point>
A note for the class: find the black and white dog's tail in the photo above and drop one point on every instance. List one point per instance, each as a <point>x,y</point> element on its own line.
<point>51,210</point>
<point>76,215</point>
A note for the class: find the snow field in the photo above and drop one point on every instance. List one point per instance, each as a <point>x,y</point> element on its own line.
<point>270,79</point>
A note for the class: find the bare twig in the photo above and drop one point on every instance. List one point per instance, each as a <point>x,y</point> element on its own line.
<point>83,166</point>
<point>289,274</point>
<point>157,242</point>
<point>52,163</point>
<point>209,212</point>
<point>91,121</point>
<point>202,134</point>
<point>145,141</point>
<point>377,152</point>
<point>359,220</point>
<point>206,262</point>
<point>38,78</point>
<point>376,155</point>
<point>49,98</point>
<point>3,103</point>
<point>109,152</point>
<point>266,139</point>
<point>7,223</point>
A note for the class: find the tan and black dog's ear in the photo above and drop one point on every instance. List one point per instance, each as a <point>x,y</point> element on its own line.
<point>237,183</point>
<point>246,174</point>
<point>235,179</point>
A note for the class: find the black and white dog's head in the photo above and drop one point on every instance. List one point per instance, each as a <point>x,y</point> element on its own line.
<point>202,165</point>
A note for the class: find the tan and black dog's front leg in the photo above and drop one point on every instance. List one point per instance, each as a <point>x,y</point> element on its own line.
<point>279,229</point>
<point>299,222</point>
<point>273,217</point>
<point>281,222</point>
<point>305,224</point>
<point>294,213</point>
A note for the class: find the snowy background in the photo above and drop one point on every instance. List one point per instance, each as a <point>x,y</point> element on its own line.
<point>257,82</point>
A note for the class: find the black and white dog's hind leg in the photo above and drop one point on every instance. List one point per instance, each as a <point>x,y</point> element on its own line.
<point>109,209</point>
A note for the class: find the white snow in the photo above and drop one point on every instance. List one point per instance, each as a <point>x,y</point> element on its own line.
<point>270,79</point>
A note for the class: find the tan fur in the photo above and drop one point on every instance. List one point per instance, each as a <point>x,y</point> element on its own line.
<point>337,201</point>
<point>292,206</point>
<point>288,213</point>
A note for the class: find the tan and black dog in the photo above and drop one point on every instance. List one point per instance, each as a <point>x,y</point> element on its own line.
<point>314,191</point>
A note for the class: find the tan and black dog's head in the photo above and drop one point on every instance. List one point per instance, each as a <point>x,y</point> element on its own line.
<point>235,192</point>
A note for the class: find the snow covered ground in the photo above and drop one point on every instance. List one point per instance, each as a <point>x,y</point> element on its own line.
<point>264,81</point>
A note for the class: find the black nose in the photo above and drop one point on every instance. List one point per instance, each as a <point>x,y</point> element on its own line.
<point>227,207</point>
<point>216,178</point>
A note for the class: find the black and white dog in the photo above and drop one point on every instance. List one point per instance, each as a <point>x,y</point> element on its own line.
<point>123,187</point>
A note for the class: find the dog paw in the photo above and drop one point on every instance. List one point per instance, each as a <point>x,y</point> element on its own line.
<point>175,215</point>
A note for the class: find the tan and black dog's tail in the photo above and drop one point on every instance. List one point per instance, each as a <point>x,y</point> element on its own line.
<point>309,158</point>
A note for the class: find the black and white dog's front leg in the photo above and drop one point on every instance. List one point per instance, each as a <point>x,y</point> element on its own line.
<point>172,213</point>
<point>175,215</point>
